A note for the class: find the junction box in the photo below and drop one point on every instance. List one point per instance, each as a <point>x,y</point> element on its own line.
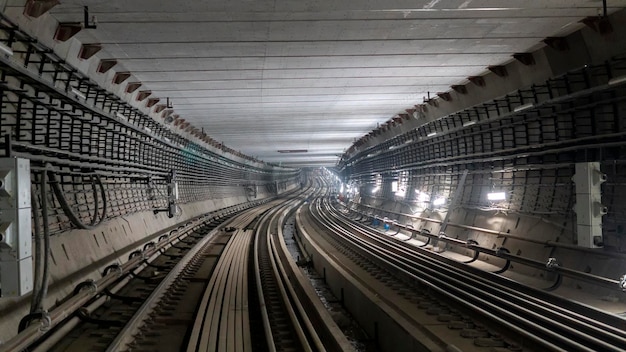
<point>16,265</point>
<point>589,209</point>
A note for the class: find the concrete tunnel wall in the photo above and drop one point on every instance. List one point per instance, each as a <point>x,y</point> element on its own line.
<point>77,250</point>
<point>541,194</point>
<point>131,158</point>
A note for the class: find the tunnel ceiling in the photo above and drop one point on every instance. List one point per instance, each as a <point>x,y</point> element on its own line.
<point>297,81</point>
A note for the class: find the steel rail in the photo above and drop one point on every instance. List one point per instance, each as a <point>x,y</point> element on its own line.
<point>440,287</point>
<point>126,335</point>
<point>55,317</point>
<point>138,259</point>
<point>269,278</point>
<point>356,274</point>
<point>413,267</point>
<point>518,292</point>
<point>216,326</point>
<point>314,327</point>
<point>326,335</point>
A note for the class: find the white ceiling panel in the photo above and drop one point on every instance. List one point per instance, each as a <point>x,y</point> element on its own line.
<point>263,76</point>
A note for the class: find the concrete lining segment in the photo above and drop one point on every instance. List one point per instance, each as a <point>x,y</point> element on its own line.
<point>207,46</point>
<point>389,11</point>
<point>135,51</point>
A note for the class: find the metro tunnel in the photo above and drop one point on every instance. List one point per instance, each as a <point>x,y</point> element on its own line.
<point>440,175</point>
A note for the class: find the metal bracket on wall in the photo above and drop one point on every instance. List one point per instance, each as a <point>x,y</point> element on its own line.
<point>16,264</point>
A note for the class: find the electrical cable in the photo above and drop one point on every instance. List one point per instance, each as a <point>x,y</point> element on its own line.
<point>67,209</point>
<point>103,195</point>
<point>34,303</point>
<point>94,218</point>
<point>42,258</point>
<point>46,240</point>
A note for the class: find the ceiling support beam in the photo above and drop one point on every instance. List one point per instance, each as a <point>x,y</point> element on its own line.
<point>36,8</point>
<point>600,24</point>
<point>527,59</point>
<point>477,80</point>
<point>152,102</point>
<point>459,88</point>
<point>105,65</point>
<point>66,30</point>
<point>499,70</point>
<point>132,87</point>
<point>557,43</point>
<point>445,96</point>
<point>88,50</point>
<point>120,77</point>
<point>143,94</point>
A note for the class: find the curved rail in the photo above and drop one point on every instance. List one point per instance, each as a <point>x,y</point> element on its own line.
<point>36,331</point>
<point>287,295</point>
<point>545,319</point>
<point>222,316</point>
<point>286,320</point>
<point>200,292</point>
<point>500,252</point>
<point>276,305</point>
<point>43,333</point>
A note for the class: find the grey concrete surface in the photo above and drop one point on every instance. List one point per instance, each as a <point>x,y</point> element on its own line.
<point>309,76</point>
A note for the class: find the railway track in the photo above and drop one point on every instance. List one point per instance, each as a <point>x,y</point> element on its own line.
<point>271,298</point>
<point>99,311</point>
<point>223,283</point>
<point>488,309</point>
<point>277,312</point>
<point>98,308</point>
<point>222,321</point>
<point>217,317</point>
<point>297,320</point>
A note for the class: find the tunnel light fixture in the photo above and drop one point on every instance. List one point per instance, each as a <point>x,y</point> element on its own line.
<point>6,50</point>
<point>439,201</point>
<point>523,107</point>
<point>496,196</point>
<point>469,123</point>
<point>375,189</point>
<point>292,151</point>
<point>617,80</point>
<point>431,134</point>
<point>78,93</point>
<point>121,117</point>
<point>422,197</point>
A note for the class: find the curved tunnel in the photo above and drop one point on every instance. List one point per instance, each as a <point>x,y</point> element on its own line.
<point>518,170</point>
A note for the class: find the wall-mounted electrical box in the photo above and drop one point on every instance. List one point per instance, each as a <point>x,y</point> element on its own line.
<point>16,265</point>
<point>172,196</point>
<point>589,209</point>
